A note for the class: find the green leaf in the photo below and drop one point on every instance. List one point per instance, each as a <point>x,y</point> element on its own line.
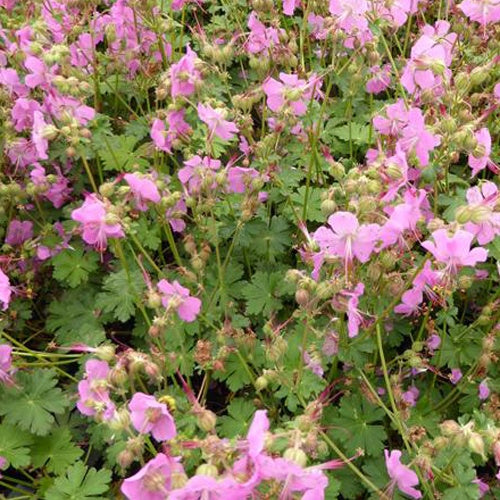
<point>262,294</point>
<point>356,428</point>
<point>73,318</point>
<point>55,451</point>
<point>121,291</point>
<point>117,152</point>
<point>234,374</point>
<point>80,483</point>
<point>73,266</point>
<point>14,445</point>
<point>238,420</point>
<point>32,403</point>
<point>314,212</point>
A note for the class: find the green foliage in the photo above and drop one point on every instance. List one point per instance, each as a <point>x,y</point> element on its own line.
<point>238,419</point>
<point>73,266</point>
<point>80,483</point>
<point>33,401</point>
<point>14,445</point>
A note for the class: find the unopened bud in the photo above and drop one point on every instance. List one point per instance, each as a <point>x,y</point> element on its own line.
<point>261,383</point>
<point>450,428</point>
<point>328,207</point>
<point>125,458</point>
<point>209,470</point>
<point>478,76</point>
<point>207,420</point>
<point>476,444</point>
<point>463,214</point>
<point>296,455</point>
<point>105,352</point>
<point>302,297</point>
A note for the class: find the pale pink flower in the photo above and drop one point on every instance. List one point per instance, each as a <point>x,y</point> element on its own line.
<point>18,232</point>
<point>175,296</point>
<point>256,434</point>
<point>216,123</point>
<point>96,227</point>
<point>483,201</point>
<point>143,189</point>
<point>480,162</point>
<point>455,251</point>
<point>350,16</point>
<point>206,487</point>
<point>38,135</point>
<point>433,342</point>
<point>482,11</point>
<point>174,216</point>
<point>289,6</point>
<point>10,79</point>
<point>396,11</point>
<point>153,481</point>
<point>291,92</point>
<point>150,416</point>
<point>240,179</point>
<point>5,290</point>
<point>39,73</point>
<point>403,477</point>
<point>346,238</point>
<point>93,391</point>
<point>184,75</point>
<point>426,66</point>
<point>195,170</point>
<point>6,368</point>
<point>354,317</point>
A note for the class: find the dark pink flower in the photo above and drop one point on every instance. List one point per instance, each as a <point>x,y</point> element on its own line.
<point>216,123</point>
<point>23,113</point>
<point>175,296</point>
<point>289,6</point>
<point>260,37</point>
<point>39,135</point>
<point>403,477</point>
<point>5,290</point>
<point>354,317</point>
<point>196,170</point>
<point>484,390</point>
<point>240,179</point>
<point>410,396</point>
<point>455,251</point>
<point>97,227</point>
<point>39,73</point>
<point>18,232</point>
<point>380,80</point>
<point>455,376</point>
<point>150,416</point>
<point>256,434</point>
<point>164,138</point>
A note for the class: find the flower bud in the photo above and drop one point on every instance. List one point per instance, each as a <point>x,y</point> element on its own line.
<point>476,444</point>
<point>328,207</point>
<point>49,132</point>
<point>125,458</point>
<point>277,349</point>
<point>206,420</point>
<point>261,383</point>
<point>105,352</point>
<point>478,76</point>
<point>153,299</point>
<point>209,470</point>
<point>450,428</point>
<point>463,214</point>
<point>302,297</point>
<point>296,455</point>
<point>120,420</point>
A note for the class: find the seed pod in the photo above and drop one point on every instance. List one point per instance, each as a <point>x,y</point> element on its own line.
<point>296,455</point>
<point>206,420</point>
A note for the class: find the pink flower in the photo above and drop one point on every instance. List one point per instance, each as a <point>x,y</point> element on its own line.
<point>401,475</point>
<point>380,80</point>
<point>10,79</point>
<point>433,343</point>
<point>96,226</point>
<point>346,238</point>
<point>482,11</point>
<point>350,15</point>
<point>18,232</point>
<point>214,119</point>
<point>5,290</point>
<point>410,396</point>
<point>240,179</point>
<point>256,435</point>
<point>184,75</point>
<point>455,376</point>
<point>426,66</point>
<point>289,6</point>
<point>177,128</point>
<point>23,113</point>
<point>144,190</point>
<point>93,391</point>
<point>482,203</point>
<point>479,162</point>
<point>260,37</point>
<point>195,170</point>
<point>396,11</point>
<point>175,296</point>
<point>148,415</point>
<point>484,390</point>
<point>3,460</point>
<point>6,368</point>
<point>39,135</point>
<point>201,487</point>
<point>293,92</point>
<point>354,318</point>
<point>455,251</point>
<point>153,481</point>
<point>174,216</point>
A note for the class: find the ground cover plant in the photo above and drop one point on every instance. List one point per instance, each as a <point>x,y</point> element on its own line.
<point>249,249</point>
